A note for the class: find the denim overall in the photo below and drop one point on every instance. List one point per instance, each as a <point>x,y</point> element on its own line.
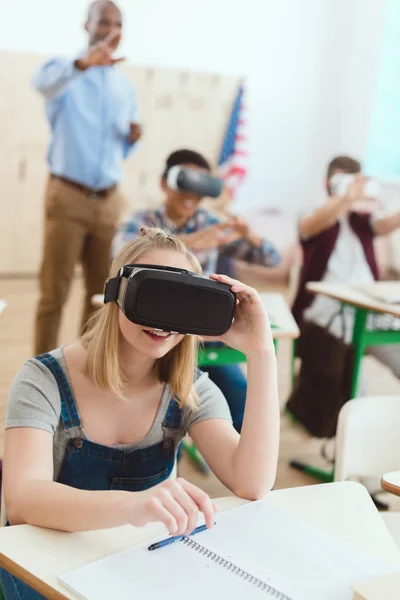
<point>90,466</point>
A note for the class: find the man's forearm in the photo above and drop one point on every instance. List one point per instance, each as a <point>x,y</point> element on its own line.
<point>54,76</point>
<point>323,218</point>
<point>387,225</point>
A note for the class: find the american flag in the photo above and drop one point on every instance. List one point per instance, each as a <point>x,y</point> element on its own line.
<point>232,163</point>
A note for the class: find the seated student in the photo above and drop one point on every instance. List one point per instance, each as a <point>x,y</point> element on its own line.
<point>94,420</point>
<point>214,244</point>
<point>338,246</point>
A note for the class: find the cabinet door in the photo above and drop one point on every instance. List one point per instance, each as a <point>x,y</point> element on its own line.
<point>177,109</point>
<point>30,221</point>
<point>23,140</point>
<point>9,201</point>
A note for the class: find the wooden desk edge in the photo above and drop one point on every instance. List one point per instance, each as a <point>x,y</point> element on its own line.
<point>390,487</point>
<point>285,334</point>
<point>373,306</point>
<point>224,503</point>
<point>31,580</point>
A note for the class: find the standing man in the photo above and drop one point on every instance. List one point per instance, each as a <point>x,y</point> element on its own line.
<point>91,109</point>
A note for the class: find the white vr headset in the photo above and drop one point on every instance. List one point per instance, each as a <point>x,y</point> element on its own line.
<point>185,179</point>
<point>340,183</point>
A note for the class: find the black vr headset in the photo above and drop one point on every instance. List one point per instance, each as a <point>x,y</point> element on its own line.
<point>173,300</point>
<point>185,179</point>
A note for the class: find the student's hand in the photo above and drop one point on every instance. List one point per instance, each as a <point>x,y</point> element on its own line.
<point>355,191</point>
<point>243,229</point>
<point>241,226</point>
<point>251,330</point>
<point>135,133</point>
<point>100,54</point>
<point>175,503</point>
<point>211,237</point>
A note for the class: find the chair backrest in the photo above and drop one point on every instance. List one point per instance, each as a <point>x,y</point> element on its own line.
<point>368,437</point>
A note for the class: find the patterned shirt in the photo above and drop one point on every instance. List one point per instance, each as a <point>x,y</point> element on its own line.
<point>241,249</point>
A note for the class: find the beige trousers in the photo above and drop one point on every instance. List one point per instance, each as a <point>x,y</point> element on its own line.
<point>78,227</point>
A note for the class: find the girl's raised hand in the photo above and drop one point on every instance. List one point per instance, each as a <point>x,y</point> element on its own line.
<point>251,330</point>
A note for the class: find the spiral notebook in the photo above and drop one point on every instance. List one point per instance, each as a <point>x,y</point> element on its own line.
<point>254,551</point>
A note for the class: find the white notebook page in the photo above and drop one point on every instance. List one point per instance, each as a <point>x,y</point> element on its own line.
<point>298,559</point>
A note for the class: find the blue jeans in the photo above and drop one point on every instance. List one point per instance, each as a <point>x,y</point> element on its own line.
<point>232,383</point>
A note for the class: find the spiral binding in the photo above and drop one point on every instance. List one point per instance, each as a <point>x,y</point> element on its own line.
<point>230,566</point>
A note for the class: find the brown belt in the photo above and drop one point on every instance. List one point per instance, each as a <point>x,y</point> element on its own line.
<point>84,189</point>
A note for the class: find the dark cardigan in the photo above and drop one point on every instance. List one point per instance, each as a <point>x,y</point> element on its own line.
<point>316,255</point>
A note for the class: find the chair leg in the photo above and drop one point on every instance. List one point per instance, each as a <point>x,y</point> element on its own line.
<point>190,448</point>
<point>378,503</point>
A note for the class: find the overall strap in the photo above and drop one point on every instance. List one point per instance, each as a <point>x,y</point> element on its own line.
<point>173,415</point>
<point>69,412</point>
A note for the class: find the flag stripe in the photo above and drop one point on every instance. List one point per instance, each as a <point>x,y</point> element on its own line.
<point>233,156</point>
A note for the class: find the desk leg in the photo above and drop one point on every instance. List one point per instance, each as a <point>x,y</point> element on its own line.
<point>358,343</point>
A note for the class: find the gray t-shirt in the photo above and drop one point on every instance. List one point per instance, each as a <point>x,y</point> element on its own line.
<point>34,401</point>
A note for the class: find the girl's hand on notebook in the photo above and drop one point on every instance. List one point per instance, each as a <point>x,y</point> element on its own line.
<point>175,503</point>
<point>251,330</point>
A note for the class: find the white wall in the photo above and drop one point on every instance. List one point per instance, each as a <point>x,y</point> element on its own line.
<point>310,66</point>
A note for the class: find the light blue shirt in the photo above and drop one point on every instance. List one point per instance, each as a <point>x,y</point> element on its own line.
<point>89,113</point>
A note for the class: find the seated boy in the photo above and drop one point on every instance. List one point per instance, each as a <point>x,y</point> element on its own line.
<point>338,246</point>
<point>215,244</point>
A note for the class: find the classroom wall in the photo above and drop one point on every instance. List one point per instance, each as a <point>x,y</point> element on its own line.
<point>310,66</point>
<point>195,106</point>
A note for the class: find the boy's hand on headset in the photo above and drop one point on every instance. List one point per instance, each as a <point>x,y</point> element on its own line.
<point>355,191</point>
<point>251,330</point>
<point>175,503</point>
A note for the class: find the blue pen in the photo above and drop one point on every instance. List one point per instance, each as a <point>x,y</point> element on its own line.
<point>176,538</point>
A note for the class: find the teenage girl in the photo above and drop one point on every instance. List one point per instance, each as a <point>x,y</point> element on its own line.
<point>92,428</point>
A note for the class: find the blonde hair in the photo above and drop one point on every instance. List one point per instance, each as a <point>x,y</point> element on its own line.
<point>101,339</point>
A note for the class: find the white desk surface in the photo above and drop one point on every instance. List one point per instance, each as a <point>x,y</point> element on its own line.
<point>39,556</point>
<point>276,306</point>
<point>382,588</point>
<point>355,296</point>
<point>391,482</point>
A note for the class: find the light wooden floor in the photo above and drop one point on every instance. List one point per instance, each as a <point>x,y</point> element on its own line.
<point>16,326</point>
